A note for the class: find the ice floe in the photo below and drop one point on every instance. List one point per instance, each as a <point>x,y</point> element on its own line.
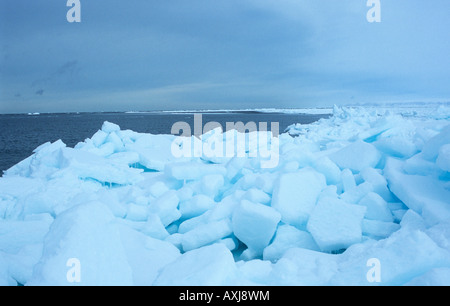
<point>360,198</point>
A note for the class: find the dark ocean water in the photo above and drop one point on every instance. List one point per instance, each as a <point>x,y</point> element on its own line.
<point>20,134</point>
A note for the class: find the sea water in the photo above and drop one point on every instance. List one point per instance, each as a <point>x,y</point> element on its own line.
<point>20,134</point>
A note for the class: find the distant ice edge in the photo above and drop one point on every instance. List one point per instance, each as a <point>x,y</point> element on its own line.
<point>118,209</point>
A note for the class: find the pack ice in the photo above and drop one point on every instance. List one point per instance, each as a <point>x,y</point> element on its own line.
<point>361,198</point>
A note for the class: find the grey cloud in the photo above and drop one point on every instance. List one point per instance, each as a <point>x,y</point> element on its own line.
<point>69,67</point>
<point>66,70</point>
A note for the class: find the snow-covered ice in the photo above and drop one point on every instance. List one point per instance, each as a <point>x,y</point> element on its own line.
<point>356,156</point>
<point>360,198</point>
<point>255,224</point>
<point>208,265</point>
<point>335,224</point>
<point>295,195</point>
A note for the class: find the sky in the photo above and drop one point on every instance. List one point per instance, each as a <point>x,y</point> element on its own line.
<point>220,54</point>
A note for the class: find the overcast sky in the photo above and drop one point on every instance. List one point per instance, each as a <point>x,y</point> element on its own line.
<point>215,54</point>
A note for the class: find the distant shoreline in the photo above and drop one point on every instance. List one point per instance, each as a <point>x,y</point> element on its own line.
<point>312,111</point>
<point>306,110</point>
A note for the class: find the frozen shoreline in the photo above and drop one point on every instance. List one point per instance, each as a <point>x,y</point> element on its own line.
<point>369,182</point>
